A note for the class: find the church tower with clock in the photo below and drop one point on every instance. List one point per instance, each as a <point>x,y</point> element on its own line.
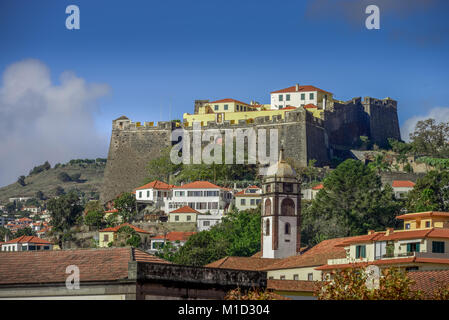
<point>281,211</point>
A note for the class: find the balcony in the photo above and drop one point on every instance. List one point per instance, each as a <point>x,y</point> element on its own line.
<point>414,254</point>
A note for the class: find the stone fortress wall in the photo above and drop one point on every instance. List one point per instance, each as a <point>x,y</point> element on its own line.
<point>303,136</point>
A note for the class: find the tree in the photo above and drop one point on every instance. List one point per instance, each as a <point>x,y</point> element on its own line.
<point>431,138</point>
<point>21,181</point>
<point>128,236</point>
<point>253,294</point>
<point>75,177</point>
<point>237,235</point>
<point>162,167</point>
<point>27,231</point>
<point>64,212</point>
<point>351,203</point>
<point>431,193</point>
<point>64,177</point>
<point>4,232</point>
<point>379,164</point>
<point>126,206</point>
<point>350,284</point>
<point>94,218</point>
<point>40,195</point>
<point>59,191</point>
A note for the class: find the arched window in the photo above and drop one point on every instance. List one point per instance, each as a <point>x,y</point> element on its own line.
<point>267,211</point>
<point>287,228</point>
<point>267,227</point>
<point>288,207</point>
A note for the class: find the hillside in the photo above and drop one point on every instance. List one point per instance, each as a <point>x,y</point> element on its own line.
<point>89,182</point>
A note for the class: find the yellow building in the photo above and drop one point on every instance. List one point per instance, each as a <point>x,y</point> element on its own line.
<point>184,214</point>
<point>108,235</point>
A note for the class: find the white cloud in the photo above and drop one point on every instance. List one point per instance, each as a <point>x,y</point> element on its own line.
<point>42,121</point>
<point>440,114</point>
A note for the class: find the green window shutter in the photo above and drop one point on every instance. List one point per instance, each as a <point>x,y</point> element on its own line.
<point>357,251</point>
<point>409,247</point>
<point>363,251</point>
<point>417,247</point>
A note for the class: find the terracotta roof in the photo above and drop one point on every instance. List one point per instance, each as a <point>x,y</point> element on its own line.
<point>229,100</point>
<point>363,238</point>
<point>310,106</point>
<point>385,262</point>
<point>242,263</point>
<point>49,266</point>
<point>199,185</point>
<point>301,89</point>
<point>429,281</point>
<point>28,239</point>
<point>315,256</point>
<point>175,236</point>
<point>289,108</point>
<point>142,256</point>
<point>115,229</point>
<point>156,184</point>
<point>429,214</point>
<point>111,211</point>
<point>185,209</point>
<point>242,193</point>
<point>318,187</point>
<point>403,184</point>
<point>399,235</point>
<point>293,285</point>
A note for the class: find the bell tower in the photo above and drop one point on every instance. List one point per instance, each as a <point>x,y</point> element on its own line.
<point>281,211</point>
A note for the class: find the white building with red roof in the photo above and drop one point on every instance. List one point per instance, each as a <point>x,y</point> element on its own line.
<point>176,238</point>
<point>26,243</point>
<point>402,187</point>
<point>156,193</point>
<point>184,214</point>
<point>300,96</point>
<point>203,196</point>
<point>248,198</point>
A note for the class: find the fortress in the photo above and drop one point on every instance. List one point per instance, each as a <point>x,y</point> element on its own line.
<point>310,123</point>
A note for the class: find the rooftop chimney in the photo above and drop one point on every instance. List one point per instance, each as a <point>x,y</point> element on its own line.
<point>370,231</point>
<point>389,231</point>
<point>297,87</point>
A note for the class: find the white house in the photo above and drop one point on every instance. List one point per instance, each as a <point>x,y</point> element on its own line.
<point>176,238</point>
<point>248,198</point>
<point>26,243</point>
<point>401,188</point>
<point>184,214</point>
<point>32,209</point>
<point>203,196</point>
<point>300,96</point>
<point>310,193</point>
<point>155,192</point>
<point>206,221</point>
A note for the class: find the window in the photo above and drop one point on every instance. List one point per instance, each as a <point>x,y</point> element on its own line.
<point>271,278</point>
<point>267,211</point>
<point>31,247</point>
<point>295,277</point>
<point>407,226</point>
<point>311,96</point>
<point>281,97</point>
<point>288,207</point>
<point>206,223</point>
<point>287,228</point>
<point>282,278</point>
<point>140,194</point>
<point>413,247</point>
<point>437,246</point>
<point>267,227</point>
<point>189,218</point>
<point>253,202</point>
<point>287,97</point>
<point>310,276</point>
<point>176,218</point>
<point>216,107</point>
<point>242,202</point>
<point>106,238</point>
<point>226,107</point>
<point>288,187</point>
<point>360,251</point>
<point>257,201</point>
<point>148,193</point>
<point>303,96</point>
<point>427,224</point>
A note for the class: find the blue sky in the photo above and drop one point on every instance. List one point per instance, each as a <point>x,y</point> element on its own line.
<point>157,57</point>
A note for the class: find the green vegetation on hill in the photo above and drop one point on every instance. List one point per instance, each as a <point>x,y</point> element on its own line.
<point>84,176</point>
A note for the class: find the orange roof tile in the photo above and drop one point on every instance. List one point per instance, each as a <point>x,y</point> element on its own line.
<point>242,263</point>
<point>310,106</point>
<point>306,88</point>
<point>293,285</point>
<point>185,209</point>
<point>175,236</point>
<point>242,193</point>
<point>199,185</point>
<point>229,100</point>
<point>429,281</point>
<point>156,184</point>
<point>424,214</point>
<point>115,229</point>
<point>403,184</point>
<point>28,239</point>
<point>318,187</point>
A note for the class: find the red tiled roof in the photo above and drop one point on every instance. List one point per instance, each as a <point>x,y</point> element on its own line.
<point>403,184</point>
<point>199,185</point>
<point>156,184</point>
<point>289,108</point>
<point>242,263</point>
<point>310,106</point>
<point>49,266</point>
<point>424,214</point>
<point>363,238</point>
<point>293,285</point>
<point>175,236</point>
<point>185,209</point>
<point>318,187</point>
<point>301,89</point>
<point>115,229</point>
<point>28,239</point>
<point>429,281</point>
<point>242,193</point>
<point>111,211</point>
<point>229,100</point>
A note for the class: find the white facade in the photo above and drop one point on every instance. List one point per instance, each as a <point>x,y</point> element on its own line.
<point>401,192</point>
<point>206,221</point>
<point>248,198</point>
<point>300,96</point>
